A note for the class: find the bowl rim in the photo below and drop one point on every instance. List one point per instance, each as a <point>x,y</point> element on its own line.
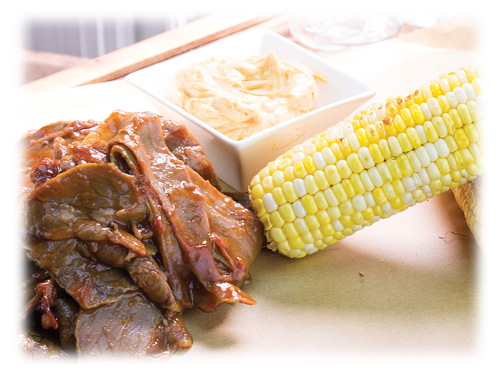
<point>254,138</point>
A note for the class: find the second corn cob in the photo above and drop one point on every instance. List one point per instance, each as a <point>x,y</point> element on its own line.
<point>469,200</point>
<point>375,164</point>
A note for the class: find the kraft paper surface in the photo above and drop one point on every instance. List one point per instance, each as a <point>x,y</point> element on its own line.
<point>405,285</point>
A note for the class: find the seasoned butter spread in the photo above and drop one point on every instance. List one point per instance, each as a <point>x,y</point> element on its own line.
<point>241,98</point>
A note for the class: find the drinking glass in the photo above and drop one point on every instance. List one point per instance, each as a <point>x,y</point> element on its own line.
<point>428,18</point>
<point>332,31</point>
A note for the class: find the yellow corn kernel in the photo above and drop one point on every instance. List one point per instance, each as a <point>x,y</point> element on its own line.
<point>327,230</point>
<point>456,176</point>
<point>334,212</point>
<point>463,111</point>
<point>430,131</point>
<point>377,210</point>
<point>343,168</point>
<point>257,191</point>
<point>268,184</point>
<point>426,92</point>
<point>461,138</point>
<point>308,204</point>
<point>357,218</point>
<point>310,185</point>
<point>404,141</point>
<point>388,190</point>
<point>466,156</point>
<point>368,213</point>
<point>348,188</point>
<point>289,192</point>
<point>478,86</point>
<point>399,123</point>
<point>320,200</point>
<point>354,163</point>
<point>357,183</point>
<point>289,173</point>
<point>418,97</point>
<point>470,73</point>
<point>472,169</point>
<point>453,81</point>
<point>309,165</point>
<point>296,243</point>
<point>379,196</point>
<point>375,153</point>
<point>435,89</point>
<point>407,117</point>
<point>471,133</point>
<point>408,101</point>
<point>436,186</point>
<point>371,134</point>
<point>396,203</point>
<point>299,170</point>
<point>390,106</point>
<point>313,224</point>
<point>440,126</point>
<point>339,192</point>
<point>321,180</point>
<point>443,103</point>
<point>321,143</point>
<point>414,138</point>
<point>384,172</point>
<point>451,143</point>
<point>443,166</point>
<point>346,207</point>
<point>405,166</point>
<point>287,213</point>
<point>345,147</point>
<point>381,127</point>
<point>277,235</point>
<point>398,187</point>
<point>417,114</point>
<point>474,110</point>
<point>459,160</point>
<point>265,219</point>
<point>394,169</point>
<point>346,221</point>
<point>335,147</point>
<point>450,125</point>
<point>323,217</point>
<point>259,207</point>
<point>284,163</point>
<point>455,116</point>
<point>444,85</point>
<point>389,126</point>
<point>278,196</point>
<point>276,219</point>
<point>362,137</point>
<point>332,174</point>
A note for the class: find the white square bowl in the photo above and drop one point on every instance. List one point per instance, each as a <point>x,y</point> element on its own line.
<point>237,162</point>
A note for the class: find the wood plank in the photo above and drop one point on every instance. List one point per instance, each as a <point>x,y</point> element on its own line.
<point>147,52</point>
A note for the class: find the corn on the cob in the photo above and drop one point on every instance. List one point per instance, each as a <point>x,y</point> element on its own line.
<point>377,163</point>
<point>469,200</point>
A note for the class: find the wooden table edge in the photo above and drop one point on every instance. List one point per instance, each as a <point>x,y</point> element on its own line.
<point>140,55</point>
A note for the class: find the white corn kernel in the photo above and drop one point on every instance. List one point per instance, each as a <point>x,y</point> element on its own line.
<point>365,156</point>
<point>469,90</point>
<point>421,133</point>
<point>451,99</point>
<point>442,148</point>
<point>409,183</point>
<point>426,111</point>
<point>358,203</point>
<point>299,185</point>
<point>375,177</point>
<point>460,95</point>
<point>368,198</point>
<point>299,156</point>
<point>299,209</point>
<point>423,156</point>
<point>319,161</point>
<point>431,151</point>
<point>269,203</point>
<point>387,208</point>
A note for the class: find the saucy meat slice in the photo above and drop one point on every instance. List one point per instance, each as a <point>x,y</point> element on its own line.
<point>35,347</point>
<point>126,216</point>
<point>133,325</point>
